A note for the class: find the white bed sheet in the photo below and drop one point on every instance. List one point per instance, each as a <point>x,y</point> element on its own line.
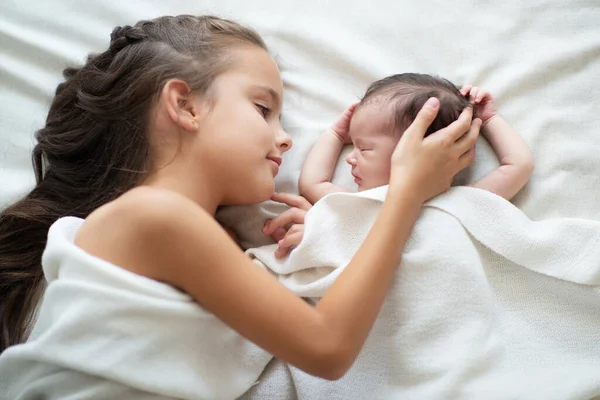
<point>541,60</point>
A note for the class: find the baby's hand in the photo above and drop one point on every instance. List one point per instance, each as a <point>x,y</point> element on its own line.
<point>342,126</point>
<point>482,100</point>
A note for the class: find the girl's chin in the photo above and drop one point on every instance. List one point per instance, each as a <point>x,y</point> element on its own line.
<point>262,192</point>
<point>255,193</point>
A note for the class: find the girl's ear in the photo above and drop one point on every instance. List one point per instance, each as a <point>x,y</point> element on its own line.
<point>180,104</point>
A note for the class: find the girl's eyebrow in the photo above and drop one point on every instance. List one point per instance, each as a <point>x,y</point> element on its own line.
<point>272,93</point>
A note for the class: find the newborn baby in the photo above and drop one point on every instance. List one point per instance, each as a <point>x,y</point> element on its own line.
<point>375,125</point>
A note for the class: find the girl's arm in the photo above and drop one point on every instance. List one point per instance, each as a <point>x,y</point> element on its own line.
<point>516,160</point>
<point>167,237</point>
<point>317,171</point>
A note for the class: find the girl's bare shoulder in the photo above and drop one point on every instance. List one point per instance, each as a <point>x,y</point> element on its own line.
<point>143,225</point>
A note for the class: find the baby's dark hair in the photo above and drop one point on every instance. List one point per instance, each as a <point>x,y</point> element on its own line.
<point>408,92</point>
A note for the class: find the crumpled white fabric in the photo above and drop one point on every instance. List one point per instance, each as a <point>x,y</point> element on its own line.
<point>486,304</point>
<point>103,332</point>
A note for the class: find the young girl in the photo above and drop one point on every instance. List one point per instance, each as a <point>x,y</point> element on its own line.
<point>142,144</point>
<point>374,126</point>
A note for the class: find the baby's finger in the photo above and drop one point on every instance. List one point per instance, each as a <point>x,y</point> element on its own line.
<point>474,92</point>
<point>292,200</point>
<point>465,89</point>
<point>350,109</point>
<point>481,95</point>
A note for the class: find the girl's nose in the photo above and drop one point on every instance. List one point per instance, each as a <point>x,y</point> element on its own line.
<point>283,140</point>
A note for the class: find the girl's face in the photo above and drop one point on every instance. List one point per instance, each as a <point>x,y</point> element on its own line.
<point>242,138</point>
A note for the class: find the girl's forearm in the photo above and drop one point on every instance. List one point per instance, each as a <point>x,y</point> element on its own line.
<point>348,312</point>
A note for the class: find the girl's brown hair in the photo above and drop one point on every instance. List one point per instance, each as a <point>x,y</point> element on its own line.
<point>94,146</point>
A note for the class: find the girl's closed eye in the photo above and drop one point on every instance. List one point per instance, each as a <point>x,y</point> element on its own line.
<point>265,111</point>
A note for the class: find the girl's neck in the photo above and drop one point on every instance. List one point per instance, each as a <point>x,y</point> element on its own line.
<point>201,191</point>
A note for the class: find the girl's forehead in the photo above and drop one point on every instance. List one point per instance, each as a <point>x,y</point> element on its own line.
<point>258,65</point>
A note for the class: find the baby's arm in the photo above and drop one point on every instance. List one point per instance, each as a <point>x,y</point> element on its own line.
<point>317,171</point>
<point>516,160</point>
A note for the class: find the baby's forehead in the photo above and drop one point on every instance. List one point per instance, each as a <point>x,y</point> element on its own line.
<point>373,118</point>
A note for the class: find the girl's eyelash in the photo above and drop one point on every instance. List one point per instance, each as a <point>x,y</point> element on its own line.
<point>264,110</point>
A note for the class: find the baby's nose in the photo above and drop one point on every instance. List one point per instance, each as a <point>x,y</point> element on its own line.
<point>351,158</point>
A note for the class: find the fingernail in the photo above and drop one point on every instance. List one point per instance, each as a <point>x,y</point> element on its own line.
<point>432,103</point>
<point>279,243</point>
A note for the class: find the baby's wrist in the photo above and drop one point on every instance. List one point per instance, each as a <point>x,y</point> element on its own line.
<point>484,123</point>
<point>332,131</point>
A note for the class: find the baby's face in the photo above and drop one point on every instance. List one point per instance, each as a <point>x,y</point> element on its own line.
<point>374,142</point>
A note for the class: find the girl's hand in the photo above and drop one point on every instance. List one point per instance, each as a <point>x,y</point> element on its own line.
<point>287,229</point>
<point>425,167</point>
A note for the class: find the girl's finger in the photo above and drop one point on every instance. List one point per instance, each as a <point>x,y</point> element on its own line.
<point>292,200</point>
<point>468,140</point>
<point>278,234</point>
<point>424,118</point>
<point>287,243</point>
<point>456,129</point>
<point>288,217</point>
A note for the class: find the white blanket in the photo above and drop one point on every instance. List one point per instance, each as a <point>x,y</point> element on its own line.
<point>486,304</point>
<point>106,333</point>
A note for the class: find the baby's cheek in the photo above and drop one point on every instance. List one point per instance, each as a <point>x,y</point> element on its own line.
<point>381,173</point>
<point>387,167</point>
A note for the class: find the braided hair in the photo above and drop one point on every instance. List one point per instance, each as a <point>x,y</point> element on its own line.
<point>94,145</point>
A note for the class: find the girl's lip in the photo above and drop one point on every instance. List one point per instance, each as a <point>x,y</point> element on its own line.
<point>275,166</point>
<point>276,160</point>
